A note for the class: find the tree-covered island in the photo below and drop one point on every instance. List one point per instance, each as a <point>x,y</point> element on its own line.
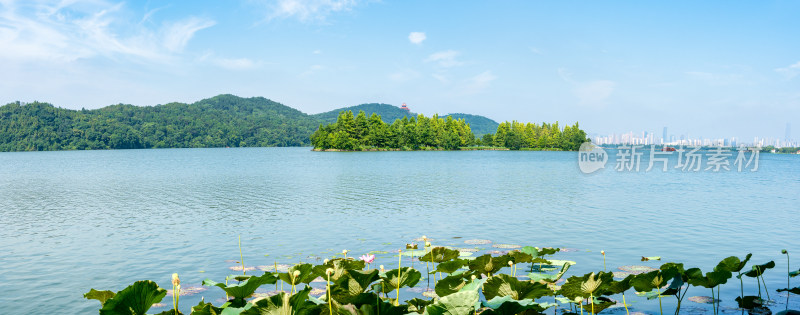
<point>361,133</point>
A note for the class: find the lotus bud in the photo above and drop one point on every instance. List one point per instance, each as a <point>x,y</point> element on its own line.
<point>329,271</point>
<point>603,252</point>
<point>296,274</point>
<point>382,270</point>
<point>325,261</point>
<point>510,263</point>
<point>427,244</point>
<point>424,237</point>
<point>175,280</point>
<point>783,251</point>
<point>345,251</point>
<point>474,277</point>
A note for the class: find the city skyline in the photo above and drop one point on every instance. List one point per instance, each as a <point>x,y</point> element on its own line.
<point>715,68</point>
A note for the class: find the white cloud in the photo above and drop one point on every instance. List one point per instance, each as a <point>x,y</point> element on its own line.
<point>445,58</point>
<point>715,78</point>
<point>480,82</point>
<point>80,29</point>
<point>790,71</point>
<point>317,52</point>
<point>416,37</point>
<point>178,34</point>
<point>441,78</point>
<point>308,10</point>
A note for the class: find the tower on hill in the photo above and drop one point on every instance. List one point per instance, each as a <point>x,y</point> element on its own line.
<point>405,107</point>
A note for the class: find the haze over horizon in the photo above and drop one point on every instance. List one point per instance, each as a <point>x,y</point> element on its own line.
<point>712,69</point>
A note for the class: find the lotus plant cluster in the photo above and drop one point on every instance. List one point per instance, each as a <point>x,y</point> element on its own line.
<point>484,284</point>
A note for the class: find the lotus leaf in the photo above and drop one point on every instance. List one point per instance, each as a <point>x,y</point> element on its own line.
<point>450,266</point>
<point>353,283</point>
<point>749,302</point>
<point>459,303</point>
<point>651,258</point>
<point>758,270</point>
<point>538,276</point>
<point>398,278</point>
<point>282,304</point>
<point>418,304</point>
<point>306,274</point>
<point>598,305</point>
<point>702,299</point>
<point>439,255</point>
<point>505,285</point>
<point>732,263</point>
<point>477,242</point>
<point>508,306</point>
<point>451,284</point>
<point>488,265</point>
<point>573,287</point>
<point>243,289</point>
<point>635,270</point>
<point>101,296</point>
<point>506,246</point>
<point>795,290</point>
<point>205,309</point>
<point>136,299</point>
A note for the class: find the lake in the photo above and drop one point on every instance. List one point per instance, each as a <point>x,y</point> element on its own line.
<point>77,220</point>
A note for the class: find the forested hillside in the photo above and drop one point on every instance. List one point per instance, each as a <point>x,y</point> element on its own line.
<point>220,121</point>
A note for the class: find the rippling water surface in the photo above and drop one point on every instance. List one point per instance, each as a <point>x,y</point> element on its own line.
<point>103,219</point>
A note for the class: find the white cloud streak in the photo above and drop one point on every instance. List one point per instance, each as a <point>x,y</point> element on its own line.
<point>308,10</point>
<point>790,71</point>
<point>445,59</point>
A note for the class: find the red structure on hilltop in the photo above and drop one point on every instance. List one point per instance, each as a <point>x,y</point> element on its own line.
<point>405,107</point>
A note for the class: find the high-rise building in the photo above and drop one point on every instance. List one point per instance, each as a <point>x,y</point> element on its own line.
<point>788,132</point>
<point>664,135</point>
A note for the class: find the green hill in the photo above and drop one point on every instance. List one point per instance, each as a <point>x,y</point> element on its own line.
<point>388,113</point>
<point>480,125</point>
<point>220,121</point>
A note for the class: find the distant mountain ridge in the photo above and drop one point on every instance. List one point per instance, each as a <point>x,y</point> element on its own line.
<point>221,121</point>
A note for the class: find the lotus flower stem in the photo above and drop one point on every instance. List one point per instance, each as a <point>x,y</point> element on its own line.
<point>604,259</point>
<point>625,304</point>
<point>328,272</point>
<point>591,300</point>
<point>581,307</point>
<point>276,274</point>
<point>788,285</point>
<point>399,272</point>
<point>765,286</point>
<point>241,258</point>
<point>660,309</point>
<point>713,305</point>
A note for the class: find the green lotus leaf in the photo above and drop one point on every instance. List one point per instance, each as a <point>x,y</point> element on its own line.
<point>339,267</point>
<point>749,302</point>
<point>378,306</point>
<point>487,265</point>
<point>788,312</point>
<point>398,278</point>
<point>459,303</point>
<point>451,284</point>
<point>598,305</point>
<point>415,252</point>
<point>617,287</point>
<point>243,289</point>
<point>505,285</point>
<point>170,312</point>
<point>711,279</point>
<point>573,287</point>
<point>450,266</point>
<point>732,263</point>
<point>418,304</point>
<point>306,274</point>
<point>519,257</point>
<point>758,270</point>
<point>794,273</point>
<point>281,304</point>
<point>101,296</point>
<point>795,290</point>
<point>439,255</point>
<point>649,281</point>
<point>345,289</point>
<point>651,258</point>
<point>550,265</point>
<point>203,308</point>
<point>538,276</point>
<point>506,305</point>
<point>136,299</point>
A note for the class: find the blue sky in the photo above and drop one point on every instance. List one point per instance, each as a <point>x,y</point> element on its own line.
<point>710,68</point>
